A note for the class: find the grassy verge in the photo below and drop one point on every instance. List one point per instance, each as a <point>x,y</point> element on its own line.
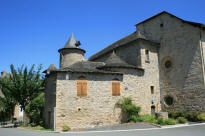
<point>36,128</point>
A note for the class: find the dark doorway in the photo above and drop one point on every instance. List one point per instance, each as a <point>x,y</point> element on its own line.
<point>153,110</point>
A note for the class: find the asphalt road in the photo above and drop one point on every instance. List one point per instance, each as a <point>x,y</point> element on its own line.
<point>196,130</point>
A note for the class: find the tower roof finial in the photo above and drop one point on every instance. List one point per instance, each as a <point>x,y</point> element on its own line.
<point>71,42</point>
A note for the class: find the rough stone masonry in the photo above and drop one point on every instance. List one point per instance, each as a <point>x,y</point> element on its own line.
<point>160,66</point>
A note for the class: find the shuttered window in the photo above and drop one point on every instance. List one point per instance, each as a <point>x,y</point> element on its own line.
<point>115,88</point>
<point>82,88</point>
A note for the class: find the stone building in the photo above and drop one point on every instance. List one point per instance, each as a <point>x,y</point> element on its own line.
<point>84,93</point>
<point>160,66</point>
<point>3,74</point>
<point>181,59</point>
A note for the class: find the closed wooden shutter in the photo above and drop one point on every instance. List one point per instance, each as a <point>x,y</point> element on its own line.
<point>82,88</point>
<point>115,88</point>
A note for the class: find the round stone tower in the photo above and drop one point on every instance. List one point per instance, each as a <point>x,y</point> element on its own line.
<point>71,53</point>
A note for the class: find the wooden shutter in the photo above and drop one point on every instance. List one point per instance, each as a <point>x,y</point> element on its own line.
<point>115,88</point>
<point>82,88</point>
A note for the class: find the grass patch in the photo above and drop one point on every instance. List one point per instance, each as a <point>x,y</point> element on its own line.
<point>144,118</point>
<point>66,128</point>
<point>36,128</point>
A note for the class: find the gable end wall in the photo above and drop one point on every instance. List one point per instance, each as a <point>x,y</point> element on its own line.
<point>179,41</point>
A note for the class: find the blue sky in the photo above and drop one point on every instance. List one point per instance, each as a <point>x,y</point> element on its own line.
<point>32,31</point>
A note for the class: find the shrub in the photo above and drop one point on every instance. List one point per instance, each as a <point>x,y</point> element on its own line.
<point>66,128</point>
<point>133,119</point>
<point>160,121</point>
<point>192,116</point>
<point>175,114</point>
<point>129,108</point>
<point>181,120</point>
<point>146,118</point>
<point>201,117</point>
<point>169,122</point>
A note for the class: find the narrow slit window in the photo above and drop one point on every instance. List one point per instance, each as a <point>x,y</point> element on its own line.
<point>147,55</point>
<point>152,89</point>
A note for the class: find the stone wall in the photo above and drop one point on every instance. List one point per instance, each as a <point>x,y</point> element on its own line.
<point>70,56</point>
<point>202,45</point>
<point>18,114</point>
<point>98,108</point>
<point>184,80</point>
<point>131,52</point>
<point>134,53</point>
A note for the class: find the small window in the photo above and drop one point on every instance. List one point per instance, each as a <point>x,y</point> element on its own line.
<point>161,25</point>
<point>152,89</point>
<point>147,52</point>
<point>116,88</point>
<point>82,88</point>
<point>147,55</point>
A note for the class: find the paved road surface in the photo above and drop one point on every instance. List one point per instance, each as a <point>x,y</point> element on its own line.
<point>197,130</point>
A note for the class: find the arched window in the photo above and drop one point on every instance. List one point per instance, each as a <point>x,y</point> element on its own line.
<point>82,86</point>
<point>116,87</point>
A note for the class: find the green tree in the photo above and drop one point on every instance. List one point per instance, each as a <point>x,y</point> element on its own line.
<point>35,109</point>
<point>7,103</point>
<point>24,85</point>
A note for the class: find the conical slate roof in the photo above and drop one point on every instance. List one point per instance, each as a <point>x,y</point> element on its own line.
<point>52,67</point>
<point>71,42</point>
<point>113,59</point>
